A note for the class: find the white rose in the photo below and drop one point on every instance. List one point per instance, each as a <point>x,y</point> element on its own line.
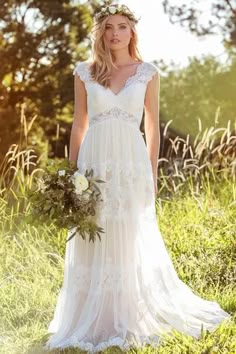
<point>61,172</point>
<point>112,10</point>
<point>80,182</point>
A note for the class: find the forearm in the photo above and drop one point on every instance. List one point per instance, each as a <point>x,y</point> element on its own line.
<point>152,134</point>
<point>76,137</point>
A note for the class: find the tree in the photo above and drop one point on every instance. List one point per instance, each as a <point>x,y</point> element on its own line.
<point>221,17</point>
<point>40,42</point>
<point>205,90</point>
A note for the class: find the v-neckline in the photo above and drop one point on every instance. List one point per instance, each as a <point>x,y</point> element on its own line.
<point>126,82</point>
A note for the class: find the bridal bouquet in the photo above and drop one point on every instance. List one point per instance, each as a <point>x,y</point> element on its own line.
<point>64,196</point>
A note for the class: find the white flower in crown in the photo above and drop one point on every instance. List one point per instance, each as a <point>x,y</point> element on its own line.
<point>80,182</point>
<point>112,10</point>
<point>122,8</point>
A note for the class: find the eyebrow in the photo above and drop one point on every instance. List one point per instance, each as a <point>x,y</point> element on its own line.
<point>122,23</point>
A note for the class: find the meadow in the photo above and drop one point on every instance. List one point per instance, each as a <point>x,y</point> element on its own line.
<point>196,209</point>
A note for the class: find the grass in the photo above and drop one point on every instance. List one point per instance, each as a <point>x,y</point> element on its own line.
<point>196,217</point>
<point>199,233</point>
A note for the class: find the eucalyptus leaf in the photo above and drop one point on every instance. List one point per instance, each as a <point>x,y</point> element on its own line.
<point>53,197</point>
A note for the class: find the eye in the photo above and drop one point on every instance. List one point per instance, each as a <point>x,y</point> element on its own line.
<point>109,27</point>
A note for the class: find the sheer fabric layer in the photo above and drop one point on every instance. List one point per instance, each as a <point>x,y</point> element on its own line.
<point>123,290</point>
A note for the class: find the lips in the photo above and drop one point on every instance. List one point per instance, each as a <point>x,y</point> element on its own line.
<point>115,41</point>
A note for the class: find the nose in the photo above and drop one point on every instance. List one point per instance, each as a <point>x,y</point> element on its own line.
<point>114,33</point>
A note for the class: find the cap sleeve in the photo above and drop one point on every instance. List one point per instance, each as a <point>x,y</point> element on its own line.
<point>82,70</point>
<point>152,69</point>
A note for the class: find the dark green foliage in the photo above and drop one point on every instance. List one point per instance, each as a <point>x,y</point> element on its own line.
<point>204,90</point>
<point>54,199</point>
<point>39,45</point>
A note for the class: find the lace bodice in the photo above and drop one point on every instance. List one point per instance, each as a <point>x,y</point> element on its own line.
<point>127,105</point>
<point>122,290</point>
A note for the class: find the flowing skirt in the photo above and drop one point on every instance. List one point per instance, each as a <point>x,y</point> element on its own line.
<point>123,290</point>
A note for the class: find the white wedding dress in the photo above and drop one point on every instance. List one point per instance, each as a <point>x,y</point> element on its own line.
<point>123,290</point>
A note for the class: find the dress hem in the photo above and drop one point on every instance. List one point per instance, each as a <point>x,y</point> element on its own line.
<point>126,344</point>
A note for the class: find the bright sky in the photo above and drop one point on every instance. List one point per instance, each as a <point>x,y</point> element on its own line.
<point>159,39</point>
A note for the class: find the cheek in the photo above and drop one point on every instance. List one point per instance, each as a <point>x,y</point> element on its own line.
<point>126,34</point>
<point>107,36</point>
<point>105,33</point>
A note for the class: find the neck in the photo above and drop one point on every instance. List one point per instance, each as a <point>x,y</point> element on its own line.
<point>122,57</point>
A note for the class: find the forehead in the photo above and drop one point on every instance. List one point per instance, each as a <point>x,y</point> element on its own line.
<point>116,19</point>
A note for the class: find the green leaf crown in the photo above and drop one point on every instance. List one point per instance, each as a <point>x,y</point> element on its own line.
<point>115,9</point>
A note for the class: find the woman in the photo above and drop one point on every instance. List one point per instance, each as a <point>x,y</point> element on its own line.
<point>123,290</point>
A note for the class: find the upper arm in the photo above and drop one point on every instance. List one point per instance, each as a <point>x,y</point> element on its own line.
<point>151,101</point>
<point>80,102</point>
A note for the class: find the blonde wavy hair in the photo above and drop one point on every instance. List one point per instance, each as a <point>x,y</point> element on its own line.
<point>103,60</point>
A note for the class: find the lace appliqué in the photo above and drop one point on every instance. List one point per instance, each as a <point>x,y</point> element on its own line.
<point>115,113</point>
<point>108,278</point>
<point>144,73</point>
<point>123,344</point>
<point>128,190</point>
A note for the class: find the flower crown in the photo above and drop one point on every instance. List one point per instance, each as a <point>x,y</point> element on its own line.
<point>116,9</point>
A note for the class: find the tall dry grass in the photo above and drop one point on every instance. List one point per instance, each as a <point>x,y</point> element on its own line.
<point>212,154</point>
<point>199,231</point>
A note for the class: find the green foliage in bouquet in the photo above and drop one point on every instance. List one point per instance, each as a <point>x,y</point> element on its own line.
<point>60,194</point>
